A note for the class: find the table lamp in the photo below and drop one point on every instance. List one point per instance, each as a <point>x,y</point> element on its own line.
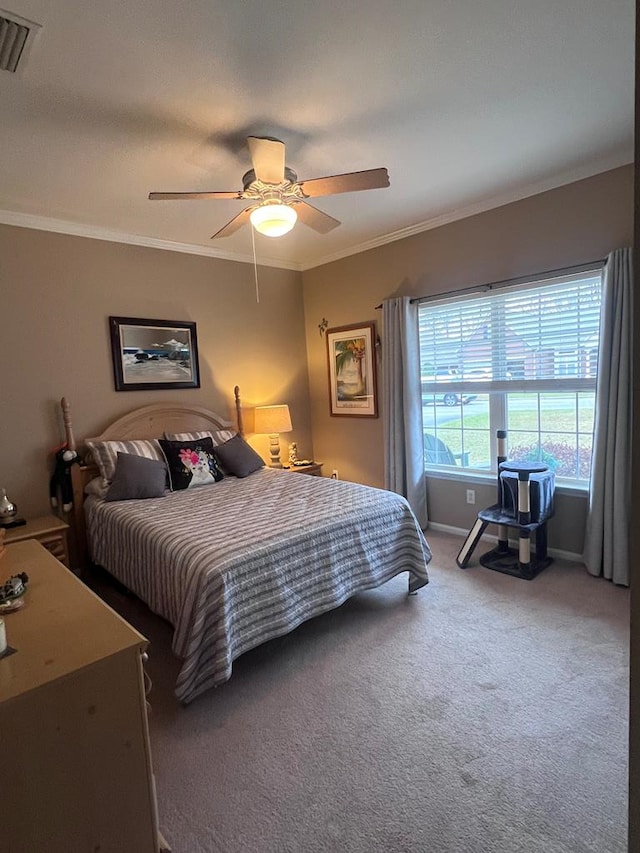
<point>272,420</point>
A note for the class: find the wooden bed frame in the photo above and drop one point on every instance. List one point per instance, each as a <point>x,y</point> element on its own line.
<point>146,422</point>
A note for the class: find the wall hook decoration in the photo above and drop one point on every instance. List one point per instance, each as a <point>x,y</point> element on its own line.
<point>323,326</point>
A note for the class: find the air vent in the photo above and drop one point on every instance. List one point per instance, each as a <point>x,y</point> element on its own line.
<point>16,34</point>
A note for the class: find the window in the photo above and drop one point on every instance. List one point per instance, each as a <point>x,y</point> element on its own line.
<point>522,358</point>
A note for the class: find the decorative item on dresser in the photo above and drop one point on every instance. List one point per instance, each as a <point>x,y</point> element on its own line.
<point>76,758</point>
<point>302,466</point>
<point>253,572</point>
<point>8,512</point>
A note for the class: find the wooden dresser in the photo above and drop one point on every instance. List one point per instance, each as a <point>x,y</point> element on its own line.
<point>76,765</point>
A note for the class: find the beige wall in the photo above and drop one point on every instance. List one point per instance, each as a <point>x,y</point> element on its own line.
<point>570,225</point>
<point>56,293</point>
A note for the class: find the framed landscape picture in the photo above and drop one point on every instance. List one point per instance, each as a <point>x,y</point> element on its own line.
<point>352,371</point>
<point>153,354</point>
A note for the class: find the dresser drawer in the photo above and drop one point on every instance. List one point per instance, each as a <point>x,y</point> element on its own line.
<point>56,544</point>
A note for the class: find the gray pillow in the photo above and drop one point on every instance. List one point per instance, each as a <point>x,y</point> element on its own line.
<point>137,477</point>
<point>105,453</point>
<point>237,457</point>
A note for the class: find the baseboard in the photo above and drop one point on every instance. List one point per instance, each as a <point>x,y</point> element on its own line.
<point>459,531</point>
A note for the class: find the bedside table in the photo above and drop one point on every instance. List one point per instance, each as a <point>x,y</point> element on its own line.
<point>314,470</point>
<point>49,530</point>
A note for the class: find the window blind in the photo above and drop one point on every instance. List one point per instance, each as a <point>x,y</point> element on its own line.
<point>539,335</point>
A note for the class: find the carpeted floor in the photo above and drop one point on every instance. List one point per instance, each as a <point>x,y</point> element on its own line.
<point>487,713</point>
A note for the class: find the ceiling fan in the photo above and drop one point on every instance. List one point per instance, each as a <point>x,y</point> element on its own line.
<point>278,197</point>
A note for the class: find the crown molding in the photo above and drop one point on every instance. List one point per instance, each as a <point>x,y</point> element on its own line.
<point>94,232</point>
<point>474,209</point>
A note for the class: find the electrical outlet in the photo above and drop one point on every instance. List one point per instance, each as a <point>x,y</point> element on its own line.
<point>334,474</point>
<point>471,496</point>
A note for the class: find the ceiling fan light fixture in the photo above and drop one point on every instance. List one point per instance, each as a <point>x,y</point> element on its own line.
<point>273,220</point>
<point>275,195</point>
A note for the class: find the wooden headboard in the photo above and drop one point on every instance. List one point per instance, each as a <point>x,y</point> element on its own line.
<point>146,422</point>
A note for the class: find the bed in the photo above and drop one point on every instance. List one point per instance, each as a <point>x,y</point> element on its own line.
<point>233,564</point>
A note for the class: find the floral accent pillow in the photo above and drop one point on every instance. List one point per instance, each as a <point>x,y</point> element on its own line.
<point>190,463</point>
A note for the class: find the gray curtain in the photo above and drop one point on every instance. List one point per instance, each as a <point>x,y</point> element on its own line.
<point>402,405</point>
<point>606,548</point>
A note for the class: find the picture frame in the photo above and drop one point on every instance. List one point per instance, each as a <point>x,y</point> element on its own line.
<point>151,355</point>
<point>352,371</point>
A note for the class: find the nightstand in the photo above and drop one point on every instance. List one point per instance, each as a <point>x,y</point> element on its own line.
<point>314,470</point>
<point>49,530</point>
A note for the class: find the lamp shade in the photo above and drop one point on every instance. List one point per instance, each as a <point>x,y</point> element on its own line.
<point>273,220</point>
<point>272,419</point>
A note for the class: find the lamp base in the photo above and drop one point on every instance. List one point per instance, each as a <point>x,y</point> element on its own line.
<point>274,450</point>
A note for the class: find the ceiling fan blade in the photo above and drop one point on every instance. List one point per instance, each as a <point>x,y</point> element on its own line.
<point>315,218</point>
<point>370,179</point>
<point>267,156</point>
<point>170,196</point>
<point>237,222</point>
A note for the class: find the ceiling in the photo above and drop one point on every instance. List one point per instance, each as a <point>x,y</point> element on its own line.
<point>468,105</point>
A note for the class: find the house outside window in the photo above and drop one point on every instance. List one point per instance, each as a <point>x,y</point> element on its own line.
<point>518,357</point>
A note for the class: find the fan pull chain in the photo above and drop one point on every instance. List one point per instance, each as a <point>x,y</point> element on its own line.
<point>255,265</point>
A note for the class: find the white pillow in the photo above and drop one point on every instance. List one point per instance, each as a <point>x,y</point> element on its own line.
<point>105,453</point>
<point>218,436</point>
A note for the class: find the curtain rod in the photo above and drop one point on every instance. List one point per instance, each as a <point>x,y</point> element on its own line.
<point>512,281</point>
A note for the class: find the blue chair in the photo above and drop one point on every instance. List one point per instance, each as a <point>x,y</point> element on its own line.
<point>437,452</point>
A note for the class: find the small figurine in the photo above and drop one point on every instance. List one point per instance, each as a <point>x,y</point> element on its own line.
<point>293,453</point>
<point>14,587</point>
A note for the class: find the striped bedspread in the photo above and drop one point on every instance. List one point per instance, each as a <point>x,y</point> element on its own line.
<point>237,563</point>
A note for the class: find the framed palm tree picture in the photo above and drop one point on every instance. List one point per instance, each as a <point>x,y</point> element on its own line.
<point>352,371</point>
